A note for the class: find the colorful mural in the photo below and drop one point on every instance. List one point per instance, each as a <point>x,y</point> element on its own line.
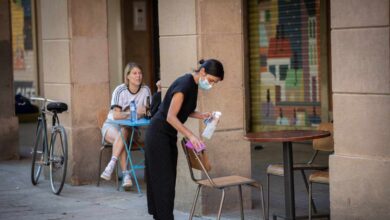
<point>286,89</point>
<point>21,31</point>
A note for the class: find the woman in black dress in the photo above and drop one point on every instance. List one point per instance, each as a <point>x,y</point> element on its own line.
<point>160,142</point>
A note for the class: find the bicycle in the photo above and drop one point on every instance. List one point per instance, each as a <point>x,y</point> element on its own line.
<point>55,153</point>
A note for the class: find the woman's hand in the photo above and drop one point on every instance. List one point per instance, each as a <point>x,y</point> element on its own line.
<point>118,114</point>
<point>196,142</point>
<point>205,115</point>
<point>141,111</point>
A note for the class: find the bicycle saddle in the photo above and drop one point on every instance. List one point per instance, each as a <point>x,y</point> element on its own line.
<point>57,107</point>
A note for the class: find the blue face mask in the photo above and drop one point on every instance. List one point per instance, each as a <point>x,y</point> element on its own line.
<point>204,84</point>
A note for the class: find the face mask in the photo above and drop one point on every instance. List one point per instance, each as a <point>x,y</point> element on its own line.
<point>204,84</point>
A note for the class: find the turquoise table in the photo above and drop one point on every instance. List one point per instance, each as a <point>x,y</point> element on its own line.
<point>133,125</point>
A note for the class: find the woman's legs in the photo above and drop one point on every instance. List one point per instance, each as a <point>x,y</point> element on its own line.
<point>118,147</point>
<point>113,136</point>
<point>161,161</point>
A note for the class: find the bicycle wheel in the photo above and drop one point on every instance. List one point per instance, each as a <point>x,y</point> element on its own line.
<point>58,158</point>
<point>38,154</point>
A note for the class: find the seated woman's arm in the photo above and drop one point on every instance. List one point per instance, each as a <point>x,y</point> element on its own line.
<point>118,114</point>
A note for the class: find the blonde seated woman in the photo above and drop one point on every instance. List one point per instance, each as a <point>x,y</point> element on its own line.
<point>123,95</point>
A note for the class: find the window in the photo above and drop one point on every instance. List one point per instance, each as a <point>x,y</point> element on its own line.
<point>286,36</point>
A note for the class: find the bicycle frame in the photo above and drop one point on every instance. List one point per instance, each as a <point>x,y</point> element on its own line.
<point>42,119</point>
<point>48,148</point>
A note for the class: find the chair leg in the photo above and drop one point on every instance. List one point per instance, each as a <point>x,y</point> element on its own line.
<point>310,199</point>
<point>221,204</point>
<point>194,203</point>
<point>117,176</point>
<point>241,202</point>
<point>100,165</point>
<point>268,195</point>
<point>307,189</point>
<point>265,216</point>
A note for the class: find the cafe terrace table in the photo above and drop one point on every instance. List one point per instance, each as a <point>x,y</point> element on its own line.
<point>129,161</point>
<point>287,137</point>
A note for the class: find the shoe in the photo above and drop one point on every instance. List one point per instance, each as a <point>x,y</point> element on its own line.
<point>107,173</point>
<point>126,183</point>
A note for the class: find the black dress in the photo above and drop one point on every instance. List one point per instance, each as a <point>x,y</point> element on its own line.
<point>161,149</point>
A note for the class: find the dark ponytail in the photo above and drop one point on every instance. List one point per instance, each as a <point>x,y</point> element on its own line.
<point>212,67</point>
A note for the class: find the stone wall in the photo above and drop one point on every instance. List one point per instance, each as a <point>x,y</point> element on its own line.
<point>75,71</point>
<point>9,123</point>
<point>191,30</point>
<point>360,166</point>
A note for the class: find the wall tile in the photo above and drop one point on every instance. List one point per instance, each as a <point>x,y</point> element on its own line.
<point>87,20</point>
<point>85,151</point>
<point>177,17</point>
<point>362,125</point>
<point>87,100</point>
<point>214,46</point>
<point>229,101</point>
<point>9,138</point>
<point>56,65</point>
<point>220,16</point>
<point>358,13</point>
<point>54,17</point>
<point>61,93</point>
<point>89,60</point>
<point>178,55</point>
<point>360,60</point>
<point>359,188</point>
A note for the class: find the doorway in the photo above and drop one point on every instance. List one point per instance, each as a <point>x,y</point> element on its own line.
<point>133,37</point>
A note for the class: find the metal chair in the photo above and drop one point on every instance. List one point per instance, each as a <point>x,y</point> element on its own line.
<point>320,177</point>
<point>200,162</point>
<point>101,117</point>
<point>323,144</point>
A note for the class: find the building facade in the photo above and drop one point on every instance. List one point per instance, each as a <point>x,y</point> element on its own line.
<point>79,60</point>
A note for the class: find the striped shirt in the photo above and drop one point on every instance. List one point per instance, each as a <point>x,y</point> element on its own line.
<point>121,98</point>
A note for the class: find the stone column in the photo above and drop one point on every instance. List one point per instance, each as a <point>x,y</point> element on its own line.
<point>220,28</point>
<point>75,70</point>
<point>9,146</point>
<point>360,166</point>
<point>191,30</point>
<point>178,55</point>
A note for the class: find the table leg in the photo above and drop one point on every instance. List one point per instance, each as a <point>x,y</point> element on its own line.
<point>288,180</point>
<point>130,161</point>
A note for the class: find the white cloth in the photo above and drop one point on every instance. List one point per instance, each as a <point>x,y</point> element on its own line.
<point>121,97</point>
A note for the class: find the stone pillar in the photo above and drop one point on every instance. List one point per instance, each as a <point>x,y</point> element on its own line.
<point>9,147</point>
<point>191,30</point>
<point>75,70</point>
<point>360,166</point>
<point>178,55</point>
<point>220,26</point>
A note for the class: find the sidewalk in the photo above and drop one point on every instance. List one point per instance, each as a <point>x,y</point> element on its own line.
<point>19,199</point>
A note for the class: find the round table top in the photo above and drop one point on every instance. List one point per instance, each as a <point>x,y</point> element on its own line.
<point>286,135</point>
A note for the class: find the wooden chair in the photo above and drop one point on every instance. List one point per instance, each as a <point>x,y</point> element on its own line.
<point>101,118</point>
<point>320,177</point>
<point>200,162</point>
<point>322,144</point>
